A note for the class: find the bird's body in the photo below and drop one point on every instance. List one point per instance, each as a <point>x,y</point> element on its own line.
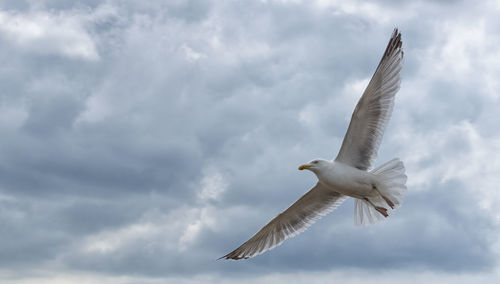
<point>347,180</point>
<point>377,192</point>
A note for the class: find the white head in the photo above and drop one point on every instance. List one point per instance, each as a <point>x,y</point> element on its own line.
<point>315,165</point>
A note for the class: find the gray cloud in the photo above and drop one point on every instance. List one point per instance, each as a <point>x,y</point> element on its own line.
<point>167,134</point>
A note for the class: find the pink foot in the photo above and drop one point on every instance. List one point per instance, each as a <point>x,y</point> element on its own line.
<point>382,211</point>
<point>388,201</point>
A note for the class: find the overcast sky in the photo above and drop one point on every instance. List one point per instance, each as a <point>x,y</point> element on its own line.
<point>142,140</point>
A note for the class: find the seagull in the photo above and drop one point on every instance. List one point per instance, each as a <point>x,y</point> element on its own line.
<point>377,192</point>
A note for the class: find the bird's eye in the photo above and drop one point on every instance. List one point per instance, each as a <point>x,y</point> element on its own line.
<point>315,162</point>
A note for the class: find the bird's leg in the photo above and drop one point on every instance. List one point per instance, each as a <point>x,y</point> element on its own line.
<point>380,209</point>
<point>387,200</point>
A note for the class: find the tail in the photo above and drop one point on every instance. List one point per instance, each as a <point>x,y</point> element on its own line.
<point>391,184</point>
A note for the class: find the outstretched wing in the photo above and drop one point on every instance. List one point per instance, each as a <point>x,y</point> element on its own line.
<point>313,205</point>
<point>374,109</point>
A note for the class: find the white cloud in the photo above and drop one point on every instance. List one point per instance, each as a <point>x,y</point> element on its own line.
<point>157,230</point>
<point>348,276</point>
<point>191,55</point>
<point>48,33</point>
<point>213,184</point>
<point>472,163</point>
<point>371,11</point>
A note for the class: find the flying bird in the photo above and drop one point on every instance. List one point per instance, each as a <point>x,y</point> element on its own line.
<point>377,192</point>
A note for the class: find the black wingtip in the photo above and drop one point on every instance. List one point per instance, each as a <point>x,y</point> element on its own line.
<point>394,43</point>
<point>230,256</point>
<point>233,256</point>
<point>397,36</point>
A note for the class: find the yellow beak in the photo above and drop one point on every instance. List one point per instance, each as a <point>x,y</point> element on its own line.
<point>304,167</point>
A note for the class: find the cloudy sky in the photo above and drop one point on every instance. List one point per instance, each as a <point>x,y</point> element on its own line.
<point>141,140</point>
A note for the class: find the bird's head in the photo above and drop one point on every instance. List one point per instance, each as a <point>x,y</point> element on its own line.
<point>314,165</point>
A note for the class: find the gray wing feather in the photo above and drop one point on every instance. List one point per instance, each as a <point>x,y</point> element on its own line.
<point>373,111</point>
<point>313,205</point>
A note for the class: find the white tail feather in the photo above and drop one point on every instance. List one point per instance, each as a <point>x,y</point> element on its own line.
<point>392,184</point>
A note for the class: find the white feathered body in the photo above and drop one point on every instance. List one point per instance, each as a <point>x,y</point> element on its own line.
<point>348,180</point>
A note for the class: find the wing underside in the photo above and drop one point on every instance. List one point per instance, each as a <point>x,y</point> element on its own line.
<point>373,111</point>
<point>313,205</point>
